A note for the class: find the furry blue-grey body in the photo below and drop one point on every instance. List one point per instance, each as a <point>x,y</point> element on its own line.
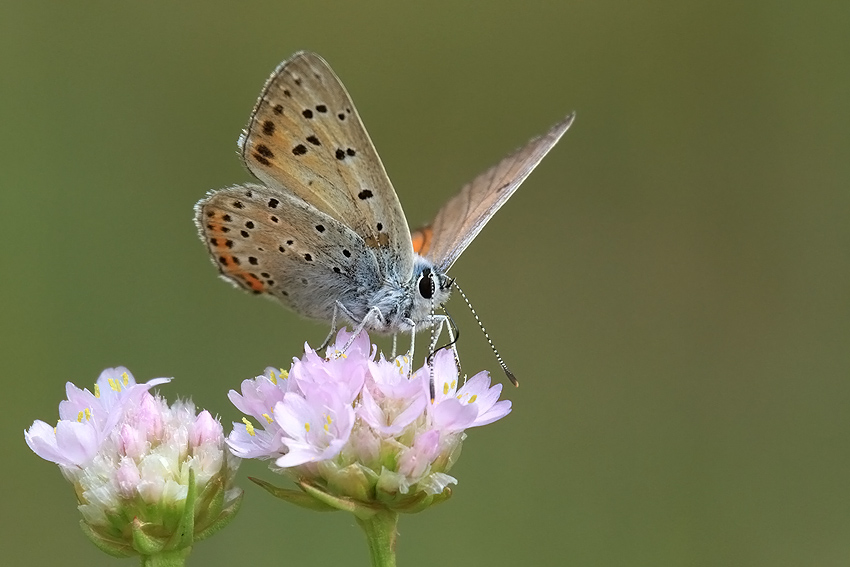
<point>398,299</point>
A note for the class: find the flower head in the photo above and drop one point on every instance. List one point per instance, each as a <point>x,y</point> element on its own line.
<point>142,470</point>
<point>358,427</point>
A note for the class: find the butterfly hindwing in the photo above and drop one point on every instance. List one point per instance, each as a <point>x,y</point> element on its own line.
<point>460,220</point>
<point>305,136</point>
<point>272,243</point>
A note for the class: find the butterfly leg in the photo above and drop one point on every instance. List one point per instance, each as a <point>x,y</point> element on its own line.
<point>373,316</point>
<point>395,344</point>
<point>412,324</point>
<point>331,334</point>
<point>439,321</point>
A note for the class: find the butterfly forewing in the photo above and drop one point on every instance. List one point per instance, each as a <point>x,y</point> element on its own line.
<point>460,220</point>
<point>272,243</point>
<point>305,136</point>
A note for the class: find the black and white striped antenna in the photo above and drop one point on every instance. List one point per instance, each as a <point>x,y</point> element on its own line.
<point>504,366</point>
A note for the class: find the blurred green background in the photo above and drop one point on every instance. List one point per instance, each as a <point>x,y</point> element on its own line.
<point>671,285</point>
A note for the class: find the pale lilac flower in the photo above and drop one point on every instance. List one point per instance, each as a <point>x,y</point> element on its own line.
<point>475,404</point>
<point>315,426</point>
<point>343,372</point>
<point>362,429</point>
<point>391,400</point>
<point>257,399</point>
<point>85,418</point>
<point>415,461</point>
<point>139,465</point>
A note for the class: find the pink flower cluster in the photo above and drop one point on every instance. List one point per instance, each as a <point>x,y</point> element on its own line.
<point>359,423</point>
<point>87,418</point>
<point>130,456</point>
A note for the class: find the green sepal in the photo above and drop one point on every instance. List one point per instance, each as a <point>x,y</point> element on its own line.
<point>185,533</point>
<point>359,509</point>
<point>430,500</point>
<point>108,546</point>
<point>225,516</point>
<point>355,481</point>
<point>401,502</point>
<point>210,502</point>
<point>142,542</point>
<point>296,497</point>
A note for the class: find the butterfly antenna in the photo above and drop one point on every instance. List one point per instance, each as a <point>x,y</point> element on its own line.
<point>504,366</point>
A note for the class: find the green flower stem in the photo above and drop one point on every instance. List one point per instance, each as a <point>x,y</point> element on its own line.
<point>381,534</point>
<point>176,558</point>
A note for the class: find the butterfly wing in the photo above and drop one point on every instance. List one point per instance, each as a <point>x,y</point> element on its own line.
<point>272,243</point>
<point>306,136</point>
<point>460,220</point>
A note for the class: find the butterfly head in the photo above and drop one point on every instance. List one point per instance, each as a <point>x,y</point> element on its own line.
<point>431,288</point>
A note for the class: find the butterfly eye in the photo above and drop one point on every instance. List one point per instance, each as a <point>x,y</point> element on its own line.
<point>426,284</point>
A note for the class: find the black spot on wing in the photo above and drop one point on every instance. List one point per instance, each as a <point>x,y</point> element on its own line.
<point>264,151</point>
<point>299,150</point>
<point>365,194</point>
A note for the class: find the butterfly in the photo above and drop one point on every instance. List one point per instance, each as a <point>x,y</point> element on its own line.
<point>325,234</point>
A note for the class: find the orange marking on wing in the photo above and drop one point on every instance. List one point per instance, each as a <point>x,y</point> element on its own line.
<point>254,282</point>
<point>231,266</point>
<point>422,240</point>
<point>232,269</point>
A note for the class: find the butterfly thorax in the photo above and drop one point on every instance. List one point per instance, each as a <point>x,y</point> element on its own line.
<point>405,303</point>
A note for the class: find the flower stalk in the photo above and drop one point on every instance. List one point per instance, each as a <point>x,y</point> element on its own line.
<point>381,532</point>
<point>176,558</point>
